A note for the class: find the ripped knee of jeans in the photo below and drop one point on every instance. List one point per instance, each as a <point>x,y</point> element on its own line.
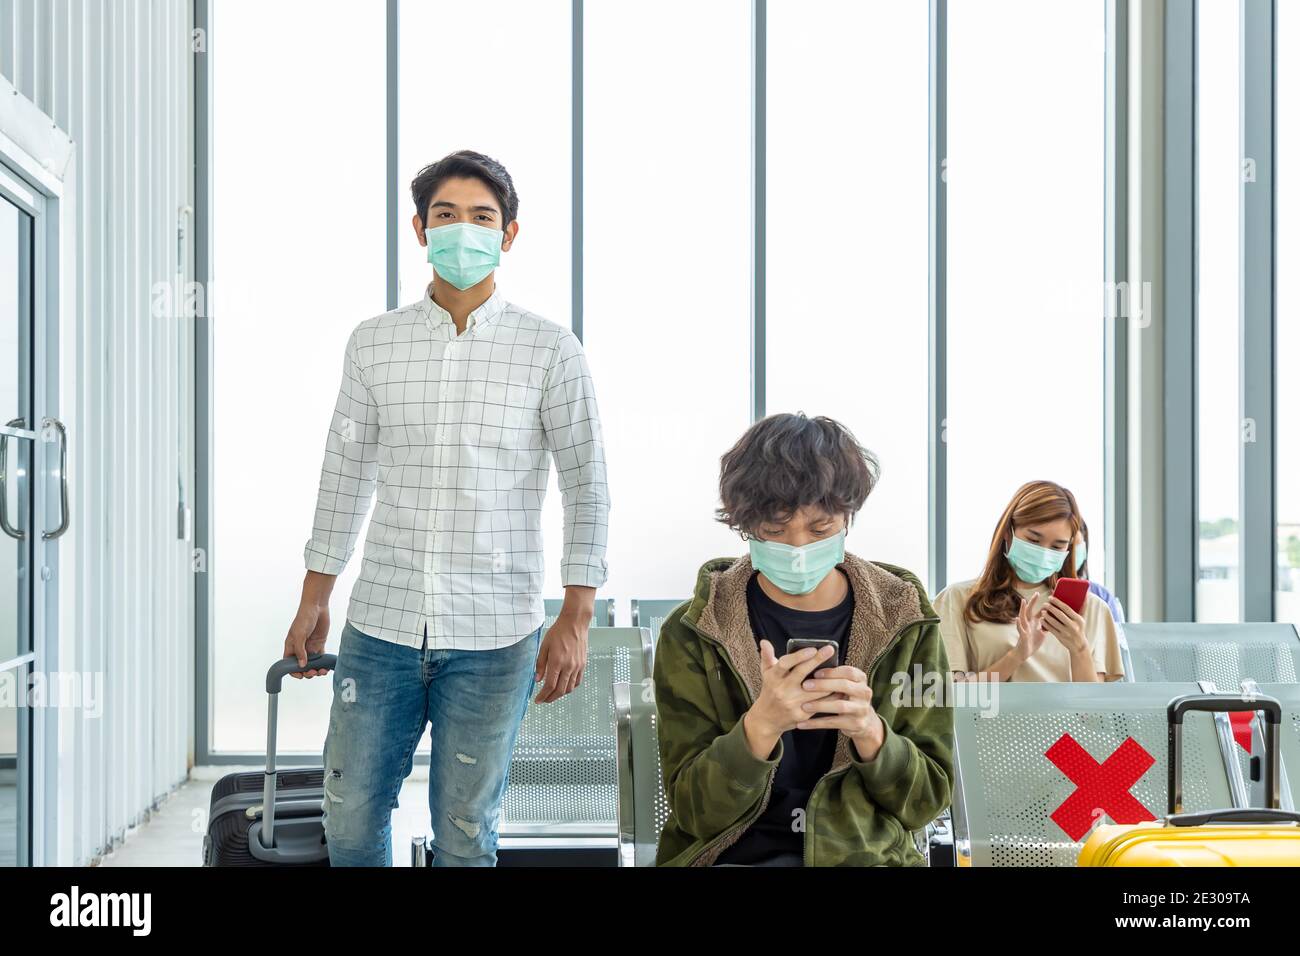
<point>333,784</point>
<point>331,805</point>
<point>470,828</point>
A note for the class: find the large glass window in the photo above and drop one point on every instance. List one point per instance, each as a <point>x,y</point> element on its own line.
<point>1218,204</point>
<point>1288,314</point>
<point>847,201</point>
<point>666,268</point>
<point>1025,166</point>
<point>299,187</point>
<point>494,76</point>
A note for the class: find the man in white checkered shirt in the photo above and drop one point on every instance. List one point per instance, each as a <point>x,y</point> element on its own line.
<point>453,407</point>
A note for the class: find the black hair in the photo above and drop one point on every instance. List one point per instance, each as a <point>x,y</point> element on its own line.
<point>465,164</point>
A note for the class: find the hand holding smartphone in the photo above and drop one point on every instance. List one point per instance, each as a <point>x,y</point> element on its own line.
<point>796,644</point>
<point>799,643</point>
<point>1073,592</point>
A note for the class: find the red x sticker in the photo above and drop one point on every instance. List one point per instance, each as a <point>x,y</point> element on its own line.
<point>1101,786</point>
<point>1241,721</point>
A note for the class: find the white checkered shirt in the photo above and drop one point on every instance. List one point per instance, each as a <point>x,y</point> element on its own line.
<point>458,432</point>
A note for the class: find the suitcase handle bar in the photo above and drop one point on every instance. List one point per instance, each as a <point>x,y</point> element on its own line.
<point>1179,707</point>
<point>308,807</point>
<point>1224,704</point>
<point>1233,815</point>
<point>274,678</point>
<point>289,665</point>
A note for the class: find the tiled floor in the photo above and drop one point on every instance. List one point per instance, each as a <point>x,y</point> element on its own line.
<point>174,835</point>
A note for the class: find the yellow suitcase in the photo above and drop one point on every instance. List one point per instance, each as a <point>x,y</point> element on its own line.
<point>1239,836</point>
<point>1154,844</point>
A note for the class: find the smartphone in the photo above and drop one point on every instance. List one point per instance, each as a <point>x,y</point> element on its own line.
<point>799,643</point>
<point>1073,591</point>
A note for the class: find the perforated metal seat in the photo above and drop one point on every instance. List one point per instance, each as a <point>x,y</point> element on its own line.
<point>1288,695</point>
<point>1226,654</point>
<point>1006,788</point>
<point>652,614</point>
<point>642,806</point>
<point>1220,657</point>
<point>563,780</point>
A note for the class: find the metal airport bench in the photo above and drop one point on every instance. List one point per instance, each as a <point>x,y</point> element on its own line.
<point>1007,788</point>
<point>562,790</point>
<point>652,614</point>
<point>1288,737</point>
<point>1004,794</point>
<point>1226,654</point>
<point>1220,657</point>
<point>642,806</point>
<point>562,793</point>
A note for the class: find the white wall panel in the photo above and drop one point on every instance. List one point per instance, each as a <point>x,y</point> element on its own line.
<point>115,76</point>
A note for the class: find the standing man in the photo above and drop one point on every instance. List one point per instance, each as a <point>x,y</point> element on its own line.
<point>454,406</point>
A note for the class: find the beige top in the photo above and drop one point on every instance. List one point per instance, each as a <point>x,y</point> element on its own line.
<point>978,646</point>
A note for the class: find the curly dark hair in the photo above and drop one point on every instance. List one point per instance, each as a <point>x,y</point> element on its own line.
<point>787,461</point>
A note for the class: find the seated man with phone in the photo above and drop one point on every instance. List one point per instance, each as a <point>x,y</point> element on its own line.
<point>780,738</point>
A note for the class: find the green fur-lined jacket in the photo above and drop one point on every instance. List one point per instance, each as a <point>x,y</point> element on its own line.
<point>707,674</point>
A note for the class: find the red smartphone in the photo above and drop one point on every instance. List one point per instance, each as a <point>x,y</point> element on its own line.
<point>1073,591</point>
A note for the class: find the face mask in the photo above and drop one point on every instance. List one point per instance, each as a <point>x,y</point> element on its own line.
<point>463,253</point>
<point>1080,555</point>
<point>1032,562</point>
<point>797,570</point>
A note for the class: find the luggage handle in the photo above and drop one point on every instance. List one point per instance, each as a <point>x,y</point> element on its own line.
<point>1179,707</point>
<point>289,665</point>
<point>274,680</point>
<point>1233,815</point>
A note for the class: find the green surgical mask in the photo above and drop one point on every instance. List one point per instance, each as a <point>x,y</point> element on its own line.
<point>1080,555</point>
<point>1031,562</point>
<point>797,570</point>
<point>463,253</point>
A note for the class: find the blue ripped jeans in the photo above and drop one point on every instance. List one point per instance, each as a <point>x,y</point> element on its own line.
<point>384,695</point>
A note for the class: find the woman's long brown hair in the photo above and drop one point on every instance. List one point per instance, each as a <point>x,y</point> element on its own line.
<point>994,597</point>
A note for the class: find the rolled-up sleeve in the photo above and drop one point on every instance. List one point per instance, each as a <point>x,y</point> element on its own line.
<point>571,425</point>
<point>347,478</point>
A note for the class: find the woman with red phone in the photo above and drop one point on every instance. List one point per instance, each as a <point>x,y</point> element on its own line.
<point>1027,617</point>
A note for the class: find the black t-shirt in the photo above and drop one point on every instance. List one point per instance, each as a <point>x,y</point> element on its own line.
<point>806,754</point>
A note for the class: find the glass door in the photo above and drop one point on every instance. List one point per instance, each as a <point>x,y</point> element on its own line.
<point>18,435</point>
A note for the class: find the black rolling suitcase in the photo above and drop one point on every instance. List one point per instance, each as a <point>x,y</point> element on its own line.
<point>238,827</point>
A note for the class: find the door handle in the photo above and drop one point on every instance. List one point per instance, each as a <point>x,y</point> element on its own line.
<point>63,479</point>
<point>4,480</point>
